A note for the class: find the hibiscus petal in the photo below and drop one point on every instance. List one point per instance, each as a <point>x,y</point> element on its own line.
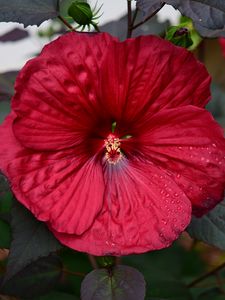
<point>144,209</point>
<point>56,98</point>
<point>189,145</point>
<point>65,188</point>
<point>143,75</point>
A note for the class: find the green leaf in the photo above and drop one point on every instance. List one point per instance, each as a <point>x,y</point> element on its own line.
<point>28,12</point>
<point>4,186</point>
<point>36,279</point>
<point>208,15</point>
<point>170,289</point>
<point>4,109</point>
<point>75,263</point>
<point>163,271</point>
<point>6,201</point>
<point>119,283</point>
<point>211,294</point>
<point>31,240</point>
<point>5,235</point>
<point>216,105</point>
<point>15,34</point>
<point>57,296</point>
<point>156,299</point>
<point>211,227</point>
<point>148,7</point>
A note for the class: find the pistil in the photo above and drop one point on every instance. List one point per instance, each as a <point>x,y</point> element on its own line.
<point>113,153</point>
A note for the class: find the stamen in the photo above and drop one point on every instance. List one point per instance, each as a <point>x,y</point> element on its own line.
<point>113,153</point>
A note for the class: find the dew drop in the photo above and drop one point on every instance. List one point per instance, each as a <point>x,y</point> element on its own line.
<point>178,175</point>
<point>214,145</point>
<point>164,221</point>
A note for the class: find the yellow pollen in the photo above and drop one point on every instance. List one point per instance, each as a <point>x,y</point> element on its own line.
<point>113,153</point>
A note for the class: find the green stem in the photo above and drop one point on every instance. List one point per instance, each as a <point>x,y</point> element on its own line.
<point>93,261</point>
<point>205,276</point>
<point>134,17</point>
<point>66,23</point>
<point>129,19</point>
<point>74,273</point>
<point>149,17</point>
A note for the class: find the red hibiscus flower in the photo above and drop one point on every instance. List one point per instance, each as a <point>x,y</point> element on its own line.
<point>109,143</point>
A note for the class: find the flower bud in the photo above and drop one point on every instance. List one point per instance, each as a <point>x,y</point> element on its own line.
<point>106,261</point>
<point>179,36</point>
<point>81,12</point>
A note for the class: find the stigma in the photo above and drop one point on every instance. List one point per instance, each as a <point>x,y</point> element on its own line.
<point>112,146</point>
